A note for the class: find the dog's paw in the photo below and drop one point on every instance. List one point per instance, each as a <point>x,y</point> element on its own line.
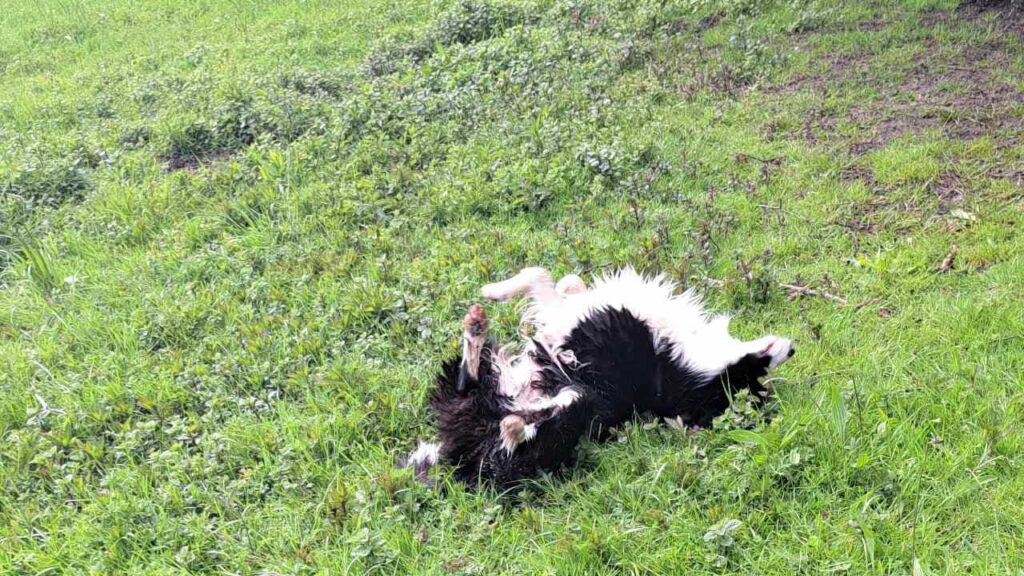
<point>515,431</point>
<point>475,321</point>
<point>570,284</point>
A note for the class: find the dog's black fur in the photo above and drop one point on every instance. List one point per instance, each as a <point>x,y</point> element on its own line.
<point>619,370</point>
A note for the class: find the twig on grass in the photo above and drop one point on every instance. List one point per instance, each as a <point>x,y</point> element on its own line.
<point>947,263</point>
<point>797,291</point>
<point>743,158</point>
<point>867,303</point>
<point>596,267</point>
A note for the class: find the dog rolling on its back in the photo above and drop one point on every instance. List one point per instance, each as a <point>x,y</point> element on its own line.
<point>598,357</point>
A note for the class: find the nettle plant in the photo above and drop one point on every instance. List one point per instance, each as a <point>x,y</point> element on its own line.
<point>720,537</point>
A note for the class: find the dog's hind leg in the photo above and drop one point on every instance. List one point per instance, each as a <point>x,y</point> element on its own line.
<point>535,281</point>
<point>570,284</point>
<point>474,334</point>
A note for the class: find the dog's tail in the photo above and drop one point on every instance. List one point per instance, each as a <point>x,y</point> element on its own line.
<point>422,459</point>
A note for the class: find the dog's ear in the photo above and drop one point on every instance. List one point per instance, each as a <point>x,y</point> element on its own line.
<point>753,364</point>
<point>446,382</point>
<point>463,380</point>
<point>747,372</point>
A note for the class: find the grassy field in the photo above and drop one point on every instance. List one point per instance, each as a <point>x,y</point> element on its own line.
<point>237,236</point>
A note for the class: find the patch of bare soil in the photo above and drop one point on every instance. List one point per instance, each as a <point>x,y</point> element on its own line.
<point>854,173</point>
<point>949,188</point>
<point>961,96</point>
<point>1008,13</point>
<point>867,218</point>
<point>837,68</point>
<point>1014,175</point>
<point>879,213</point>
<point>192,162</point>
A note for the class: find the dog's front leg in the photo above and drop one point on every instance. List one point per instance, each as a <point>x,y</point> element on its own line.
<point>474,334</point>
<point>522,426</point>
<point>514,431</point>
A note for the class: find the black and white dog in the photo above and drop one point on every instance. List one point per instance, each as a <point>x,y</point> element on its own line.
<point>598,357</point>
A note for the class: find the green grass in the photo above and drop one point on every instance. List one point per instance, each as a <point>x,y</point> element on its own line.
<point>236,238</point>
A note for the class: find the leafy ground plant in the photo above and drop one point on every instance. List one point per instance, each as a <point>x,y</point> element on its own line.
<point>237,237</point>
